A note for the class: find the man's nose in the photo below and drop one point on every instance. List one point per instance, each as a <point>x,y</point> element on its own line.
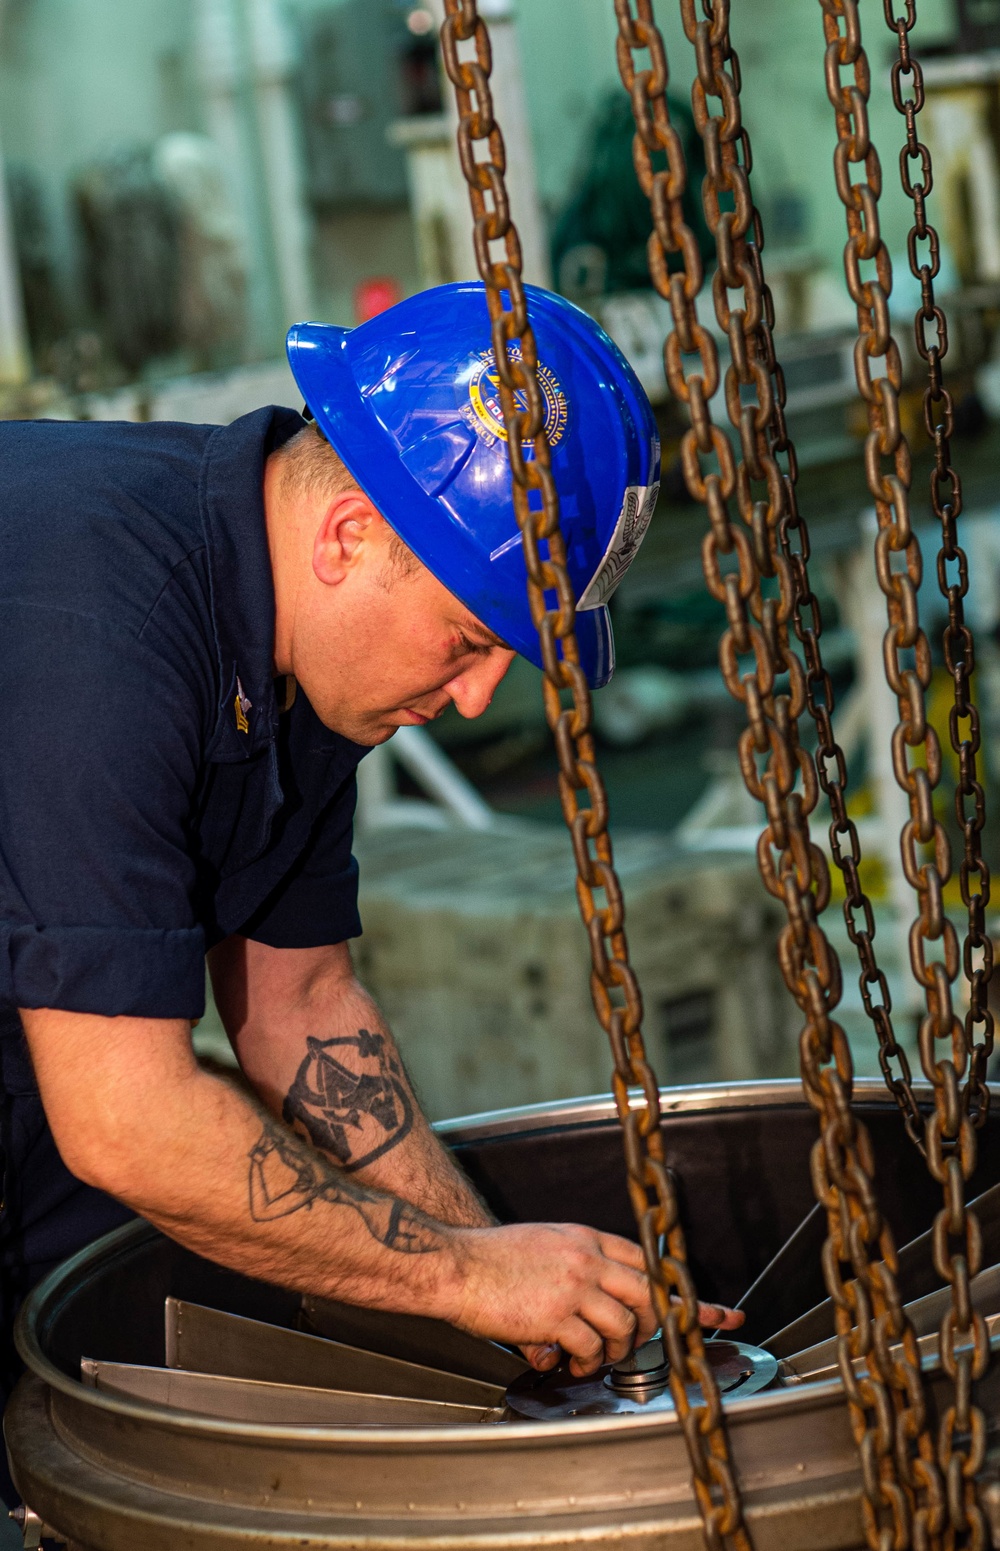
<point>474,688</point>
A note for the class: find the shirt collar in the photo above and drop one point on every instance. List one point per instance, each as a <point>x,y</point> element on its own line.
<point>232,502</point>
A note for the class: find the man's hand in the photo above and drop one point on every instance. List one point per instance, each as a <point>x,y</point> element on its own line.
<point>560,1288</point>
<point>551,1285</point>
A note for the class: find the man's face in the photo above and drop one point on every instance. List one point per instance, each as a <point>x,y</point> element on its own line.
<point>380,645</point>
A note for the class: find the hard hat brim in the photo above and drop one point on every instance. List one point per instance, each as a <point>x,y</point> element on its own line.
<point>318,357</point>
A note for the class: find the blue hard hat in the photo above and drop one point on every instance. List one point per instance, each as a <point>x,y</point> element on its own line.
<point>409,401</point>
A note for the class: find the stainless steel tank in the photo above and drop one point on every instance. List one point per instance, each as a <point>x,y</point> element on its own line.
<point>170,1404</point>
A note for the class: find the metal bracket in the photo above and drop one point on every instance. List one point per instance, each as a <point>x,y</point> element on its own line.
<point>32,1529</point>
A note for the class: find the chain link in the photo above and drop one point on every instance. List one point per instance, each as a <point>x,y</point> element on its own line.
<point>902,1493</point>
<point>951,1137</point>
<point>952,564</point>
<point>613,983</point>
<point>764,439</point>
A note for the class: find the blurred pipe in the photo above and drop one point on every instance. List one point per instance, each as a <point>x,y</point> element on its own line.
<point>511,108</point>
<point>273,54</point>
<point>220,71</point>
<point>439,198</point>
<point>246,62</point>
<point>15,359</point>
<point>511,105</point>
<point>431,768</point>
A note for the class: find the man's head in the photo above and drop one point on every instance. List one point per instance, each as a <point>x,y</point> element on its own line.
<point>373,638</point>
<point>411,401</point>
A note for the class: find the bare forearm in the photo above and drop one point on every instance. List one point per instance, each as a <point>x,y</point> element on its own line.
<point>330,1068</point>
<point>133,1114</point>
<point>375,1128</point>
<point>197,1157</point>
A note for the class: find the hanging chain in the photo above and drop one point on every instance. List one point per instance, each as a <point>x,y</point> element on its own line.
<point>946,502</point>
<point>887,1403</point>
<point>950,1135</point>
<point>964,1351</point>
<point>615,990</point>
<point>763,438</point>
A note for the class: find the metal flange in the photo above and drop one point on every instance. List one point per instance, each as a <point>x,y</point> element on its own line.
<point>641,1382</point>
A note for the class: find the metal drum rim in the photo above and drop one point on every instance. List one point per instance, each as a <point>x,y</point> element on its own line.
<point>698,1098</point>
<point>133,1234</point>
<point>596,1109</point>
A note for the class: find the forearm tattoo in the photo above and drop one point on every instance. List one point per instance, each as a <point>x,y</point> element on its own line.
<point>288,1176</point>
<point>357,1111</point>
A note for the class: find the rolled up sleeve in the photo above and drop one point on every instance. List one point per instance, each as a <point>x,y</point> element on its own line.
<point>316,904</point>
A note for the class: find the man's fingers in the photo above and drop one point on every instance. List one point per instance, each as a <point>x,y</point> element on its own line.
<point>582,1344</point>
<point>542,1357</point>
<point>648,1325</point>
<point>625,1278</point>
<point>631,1287</point>
<point>717,1317</point>
<point>612,1320</point>
<point>622,1250</point>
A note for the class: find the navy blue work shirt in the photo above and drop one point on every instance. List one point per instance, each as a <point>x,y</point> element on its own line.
<point>152,798</point>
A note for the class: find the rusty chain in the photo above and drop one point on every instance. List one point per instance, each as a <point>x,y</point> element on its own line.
<point>957,1252</point>
<point>946,503</point>
<point>901,1489</point>
<point>764,438</point>
<point>615,991</point>
<point>950,1134</point>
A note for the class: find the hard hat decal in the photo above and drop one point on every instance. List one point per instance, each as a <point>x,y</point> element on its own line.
<point>633,520</point>
<point>486,417</point>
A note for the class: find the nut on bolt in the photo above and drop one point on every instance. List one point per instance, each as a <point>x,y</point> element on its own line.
<point>32,1529</point>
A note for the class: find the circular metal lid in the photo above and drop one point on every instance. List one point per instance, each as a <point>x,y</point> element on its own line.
<point>640,1383</point>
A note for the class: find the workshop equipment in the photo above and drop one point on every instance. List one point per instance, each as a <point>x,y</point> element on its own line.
<point>217,1412</point>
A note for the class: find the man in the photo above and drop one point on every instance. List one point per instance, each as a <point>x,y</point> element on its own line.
<point>202,631</point>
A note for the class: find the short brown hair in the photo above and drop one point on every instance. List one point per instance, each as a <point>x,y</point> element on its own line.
<point>312,464</point>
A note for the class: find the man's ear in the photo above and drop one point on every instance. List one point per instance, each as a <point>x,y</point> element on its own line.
<point>347,527</point>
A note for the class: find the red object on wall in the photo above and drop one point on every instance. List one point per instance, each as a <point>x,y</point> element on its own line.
<point>375,295</point>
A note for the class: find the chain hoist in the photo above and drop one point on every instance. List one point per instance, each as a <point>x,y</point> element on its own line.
<point>901,1489</point>
<point>951,1134</point>
<point>615,991</point>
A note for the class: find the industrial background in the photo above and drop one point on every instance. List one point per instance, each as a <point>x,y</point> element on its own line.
<point>181,180</point>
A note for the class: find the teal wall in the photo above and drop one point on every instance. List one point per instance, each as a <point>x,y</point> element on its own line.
<point>82,77</point>
<point>79,77</point>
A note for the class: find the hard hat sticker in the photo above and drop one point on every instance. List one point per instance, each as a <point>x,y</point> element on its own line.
<point>486,417</point>
<point>633,520</point>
